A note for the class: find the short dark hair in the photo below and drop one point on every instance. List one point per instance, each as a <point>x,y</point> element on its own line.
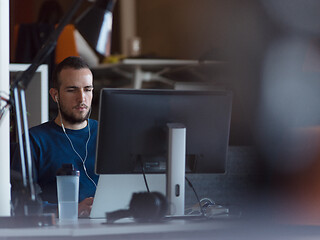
<point>69,62</point>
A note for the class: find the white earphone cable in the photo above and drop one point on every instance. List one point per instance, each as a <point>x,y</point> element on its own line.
<point>82,160</point>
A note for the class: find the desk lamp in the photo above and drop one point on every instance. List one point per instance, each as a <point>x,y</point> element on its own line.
<point>95,26</point>
<point>98,18</point>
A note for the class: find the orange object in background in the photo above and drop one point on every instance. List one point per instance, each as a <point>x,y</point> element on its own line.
<point>66,45</point>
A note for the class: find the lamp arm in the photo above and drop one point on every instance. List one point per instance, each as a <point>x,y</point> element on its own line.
<point>25,78</point>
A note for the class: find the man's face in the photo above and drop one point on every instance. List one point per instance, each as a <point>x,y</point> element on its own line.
<point>75,94</point>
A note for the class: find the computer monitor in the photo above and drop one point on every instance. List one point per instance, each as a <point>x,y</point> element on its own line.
<point>133,137</point>
<point>133,129</point>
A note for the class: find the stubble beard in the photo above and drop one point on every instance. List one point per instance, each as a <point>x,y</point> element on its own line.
<point>71,118</point>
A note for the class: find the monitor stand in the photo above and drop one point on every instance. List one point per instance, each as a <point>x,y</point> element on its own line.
<point>175,187</point>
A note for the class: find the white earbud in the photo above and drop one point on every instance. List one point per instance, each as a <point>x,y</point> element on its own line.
<point>56,99</point>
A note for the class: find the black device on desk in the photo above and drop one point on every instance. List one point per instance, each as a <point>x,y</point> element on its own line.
<point>133,136</point>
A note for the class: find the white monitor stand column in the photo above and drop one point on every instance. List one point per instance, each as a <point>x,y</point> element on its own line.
<point>176,168</point>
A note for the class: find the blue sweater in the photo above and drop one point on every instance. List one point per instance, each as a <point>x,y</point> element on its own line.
<point>51,148</point>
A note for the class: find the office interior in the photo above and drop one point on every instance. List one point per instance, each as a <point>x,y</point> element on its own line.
<point>270,55</point>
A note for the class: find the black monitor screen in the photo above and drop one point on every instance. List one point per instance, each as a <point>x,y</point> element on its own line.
<point>133,132</point>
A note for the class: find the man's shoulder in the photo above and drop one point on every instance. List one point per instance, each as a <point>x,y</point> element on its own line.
<point>42,128</point>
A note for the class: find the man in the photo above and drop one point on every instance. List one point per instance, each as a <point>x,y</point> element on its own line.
<point>70,137</point>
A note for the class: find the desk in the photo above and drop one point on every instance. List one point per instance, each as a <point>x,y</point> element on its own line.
<point>126,229</point>
<point>150,69</point>
<point>175,229</point>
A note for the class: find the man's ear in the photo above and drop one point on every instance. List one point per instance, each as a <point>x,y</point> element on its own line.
<point>54,94</point>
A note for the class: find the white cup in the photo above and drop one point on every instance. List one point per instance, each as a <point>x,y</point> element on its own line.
<point>68,192</point>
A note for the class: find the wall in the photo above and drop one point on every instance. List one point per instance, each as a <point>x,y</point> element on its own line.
<point>234,31</point>
<point>178,29</point>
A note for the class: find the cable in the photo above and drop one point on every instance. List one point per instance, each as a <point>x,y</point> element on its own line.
<point>145,181</point>
<point>144,174</point>
<point>4,98</point>
<point>3,110</point>
<point>195,193</point>
<point>82,160</point>
<point>189,183</point>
